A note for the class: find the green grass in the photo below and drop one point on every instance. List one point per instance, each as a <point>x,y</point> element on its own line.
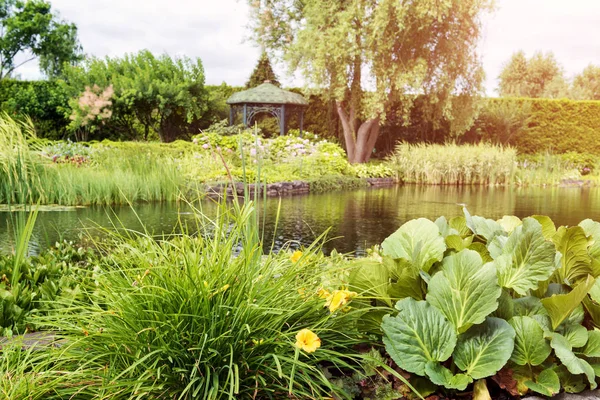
<point>114,177</point>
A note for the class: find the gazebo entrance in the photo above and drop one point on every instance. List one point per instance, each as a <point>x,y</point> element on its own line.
<point>267,98</point>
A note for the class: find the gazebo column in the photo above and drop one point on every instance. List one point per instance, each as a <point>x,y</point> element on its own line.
<point>282,121</point>
<point>245,115</point>
<point>231,116</point>
<point>301,112</point>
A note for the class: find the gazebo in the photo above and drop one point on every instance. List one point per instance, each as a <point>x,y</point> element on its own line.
<point>267,98</point>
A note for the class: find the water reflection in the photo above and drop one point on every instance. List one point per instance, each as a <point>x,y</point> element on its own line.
<point>358,219</point>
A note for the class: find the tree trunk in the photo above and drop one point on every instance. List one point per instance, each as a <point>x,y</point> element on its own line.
<point>359,144</point>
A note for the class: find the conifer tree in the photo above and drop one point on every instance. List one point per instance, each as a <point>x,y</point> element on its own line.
<point>263,72</point>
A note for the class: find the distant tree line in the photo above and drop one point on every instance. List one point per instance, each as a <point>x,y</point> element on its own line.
<point>541,76</point>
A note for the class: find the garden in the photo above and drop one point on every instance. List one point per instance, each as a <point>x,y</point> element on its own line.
<point>467,305</point>
<point>233,290</point>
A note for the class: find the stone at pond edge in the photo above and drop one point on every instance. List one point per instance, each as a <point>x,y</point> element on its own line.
<point>279,188</point>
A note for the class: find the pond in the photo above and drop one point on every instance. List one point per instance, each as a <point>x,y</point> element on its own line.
<point>358,219</point>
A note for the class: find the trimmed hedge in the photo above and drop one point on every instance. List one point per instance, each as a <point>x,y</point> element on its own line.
<point>560,126</point>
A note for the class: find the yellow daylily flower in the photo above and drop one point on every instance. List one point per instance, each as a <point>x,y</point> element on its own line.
<point>307,341</point>
<point>338,299</point>
<point>296,256</point>
<point>323,293</point>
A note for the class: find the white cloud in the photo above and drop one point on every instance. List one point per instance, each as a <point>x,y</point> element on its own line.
<point>215,32</point>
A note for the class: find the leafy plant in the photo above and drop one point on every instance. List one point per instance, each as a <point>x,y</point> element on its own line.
<point>210,316</point>
<point>476,297</point>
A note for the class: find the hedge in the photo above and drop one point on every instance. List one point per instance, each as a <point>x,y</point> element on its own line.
<point>560,126</point>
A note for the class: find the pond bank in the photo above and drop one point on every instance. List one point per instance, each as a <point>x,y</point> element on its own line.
<point>287,188</point>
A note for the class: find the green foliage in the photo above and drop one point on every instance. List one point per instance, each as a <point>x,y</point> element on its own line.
<point>501,121</point>
<point>560,126</point>
<point>32,286</point>
<point>28,174</point>
<point>217,109</point>
<point>44,102</point>
<point>210,316</point>
<point>481,164</point>
<point>372,170</point>
<point>540,76</point>
<point>506,294</point>
<point>262,72</point>
<point>157,95</point>
<point>586,86</point>
<point>428,49</point>
<point>30,26</point>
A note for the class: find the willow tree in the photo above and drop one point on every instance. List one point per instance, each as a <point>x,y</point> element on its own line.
<point>374,57</point>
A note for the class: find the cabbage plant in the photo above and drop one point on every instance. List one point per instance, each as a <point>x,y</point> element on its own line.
<point>513,300</point>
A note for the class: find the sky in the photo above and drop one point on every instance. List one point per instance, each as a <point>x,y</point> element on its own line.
<point>217,32</point>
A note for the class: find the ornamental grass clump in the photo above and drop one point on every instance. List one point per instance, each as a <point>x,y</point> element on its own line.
<point>210,316</point>
<point>452,164</point>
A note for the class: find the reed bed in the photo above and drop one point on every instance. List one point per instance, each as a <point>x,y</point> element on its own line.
<point>452,164</point>
<point>116,176</point>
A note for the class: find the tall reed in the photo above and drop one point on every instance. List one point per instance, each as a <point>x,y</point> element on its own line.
<point>479,164</point>
<point>21,177</point>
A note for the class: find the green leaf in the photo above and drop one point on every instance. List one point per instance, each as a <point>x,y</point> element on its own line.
<point>506,307</point>
<point>486,228</point>
<point>458,243</point>
<point>577,335</point>
<point>548,227</point>
<point>370,278</point>
<point>417,335</point>
<point>484,349</point>
<point>595,292</point>
<point>527,258</point>
<point>442,376</point>
<point>593,310</point>
<point>530,345</point>
<point>570,383</point>
<point>459,224</point>
<point>408,284</point>
<point>592,230</point>
<point>529,306</point>
<point>575,365</point>
<point>465,290</point>
<point>595,363</point>
<point>560,306</point>
<point>592,348</point>
<point>418,241</point>
<point>480,391</point>
<point>444,227</point>
<point>575,263</point>
<point>496,246</point>
<point>547,383</point>
<point>509,223</point>
<point>482,250</point>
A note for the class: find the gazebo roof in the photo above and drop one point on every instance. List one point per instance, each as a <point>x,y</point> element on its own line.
<point>267,93</point>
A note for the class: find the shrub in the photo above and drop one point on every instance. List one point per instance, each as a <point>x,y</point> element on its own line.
<point>477,298</point>
<point>44,102</point>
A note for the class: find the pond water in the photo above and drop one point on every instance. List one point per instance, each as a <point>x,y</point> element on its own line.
<point>358,219</point>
